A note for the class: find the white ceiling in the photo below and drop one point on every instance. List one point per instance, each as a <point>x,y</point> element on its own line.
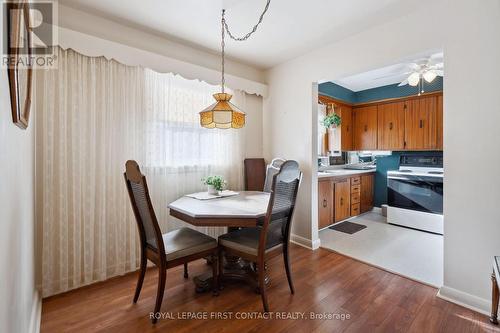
<point>384,76</point>
<point>290,28</point>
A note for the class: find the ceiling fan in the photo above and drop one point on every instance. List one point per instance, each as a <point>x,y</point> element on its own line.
<point>421,71</point>
<point>424,70</point>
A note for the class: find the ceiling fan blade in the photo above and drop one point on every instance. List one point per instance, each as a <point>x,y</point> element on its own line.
<point>435,59</point>
<point>414,66</point>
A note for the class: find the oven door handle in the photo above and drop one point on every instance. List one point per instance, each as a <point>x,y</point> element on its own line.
<point>412,180</point>
<point>401,178</point>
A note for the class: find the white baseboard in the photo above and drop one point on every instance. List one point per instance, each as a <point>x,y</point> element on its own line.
<point>461,298</point>
<point>304,242</point>
<point>36,313</point>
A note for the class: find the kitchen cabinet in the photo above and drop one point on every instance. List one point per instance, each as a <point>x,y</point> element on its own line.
<point>421,123</point>
<point>366,193</point>
<point>339,138</point>
<point>365,128</point>
<point>355,195</point>
<point>391,126</point>
<point>345,128</point>
<point>342,199</point>
<point>439,122</point>
<point>411,123</point>
<point>325,203</point>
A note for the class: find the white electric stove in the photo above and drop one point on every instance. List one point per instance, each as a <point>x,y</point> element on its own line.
<point>415,193</point>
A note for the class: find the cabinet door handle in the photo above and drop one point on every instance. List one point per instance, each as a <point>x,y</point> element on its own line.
<point>325,203</point>
<point>366,128</point>
<point>347,128</point>
<point>341,201</point>
<point>421,123</point>
<point>390,125</point>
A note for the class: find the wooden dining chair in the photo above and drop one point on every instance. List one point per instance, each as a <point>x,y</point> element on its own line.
<point>255,174</point>
<point>167,250</point>
<point>272,237</point>
<point>272,169</point>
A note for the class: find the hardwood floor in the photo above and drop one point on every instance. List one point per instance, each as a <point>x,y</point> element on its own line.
<point>325,283</point>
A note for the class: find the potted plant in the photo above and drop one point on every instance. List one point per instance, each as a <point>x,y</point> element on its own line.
<point>215,184</point>
<point>332,120</point>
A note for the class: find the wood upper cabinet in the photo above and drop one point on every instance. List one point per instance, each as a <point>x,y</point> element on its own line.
<point>421,123</point>
<point>340,138</point>
<point>365,128</point>
<point>325,203</point>
<point>439,122</point>
<point>411,123</point>
<point>342,208</point>
<point>391,126</point>
<point>345,113</point>
<point>366,195</point>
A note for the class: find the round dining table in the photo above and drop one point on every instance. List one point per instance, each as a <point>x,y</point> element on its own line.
<point>245,209</point>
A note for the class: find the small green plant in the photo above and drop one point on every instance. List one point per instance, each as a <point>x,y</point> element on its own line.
<point>216,181</point>
<point>332,119</point>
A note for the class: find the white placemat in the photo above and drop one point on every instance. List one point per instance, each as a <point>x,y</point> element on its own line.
<point>206,196</point>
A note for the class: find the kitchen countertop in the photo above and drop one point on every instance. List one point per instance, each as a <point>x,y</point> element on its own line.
<point>343,173</point>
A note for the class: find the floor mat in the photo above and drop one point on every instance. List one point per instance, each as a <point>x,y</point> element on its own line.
<point>348,227</point>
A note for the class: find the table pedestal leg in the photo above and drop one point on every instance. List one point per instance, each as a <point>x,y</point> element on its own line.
<point>235,268</point>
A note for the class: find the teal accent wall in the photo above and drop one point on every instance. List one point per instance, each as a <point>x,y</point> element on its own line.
<point>338,92</point>
<point>391,91</point>
<point>384,164</point>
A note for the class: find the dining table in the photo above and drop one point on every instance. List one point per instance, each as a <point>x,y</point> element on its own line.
<point>245,209</point>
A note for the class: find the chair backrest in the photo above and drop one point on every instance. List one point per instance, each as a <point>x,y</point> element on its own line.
<point>255,174</point>
<point>149,230</point>
<point>272,169</point>
<point>277,224</point>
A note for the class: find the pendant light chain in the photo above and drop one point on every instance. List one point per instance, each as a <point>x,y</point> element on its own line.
<point>239,39</point>
<point>223,45</point>
<point>225,28</point>
<point>223,114</point>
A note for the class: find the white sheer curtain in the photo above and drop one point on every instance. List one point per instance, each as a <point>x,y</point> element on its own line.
<point>93,114</point>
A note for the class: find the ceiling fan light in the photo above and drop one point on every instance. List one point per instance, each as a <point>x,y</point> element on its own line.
<point>429,76</point>
<point>414,79</point>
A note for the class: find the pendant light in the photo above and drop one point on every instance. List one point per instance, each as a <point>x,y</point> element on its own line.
<point>224,114</point>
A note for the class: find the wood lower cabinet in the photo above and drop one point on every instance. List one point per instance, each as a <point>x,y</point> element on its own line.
<point>366,195</point>
<point>342,200</point>
<point>391,126</point>
<point>325,203</point>
<point>365,128</point>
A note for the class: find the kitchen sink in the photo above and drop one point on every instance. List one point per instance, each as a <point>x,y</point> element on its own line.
<point>360,167</point>
<point>332,171</point>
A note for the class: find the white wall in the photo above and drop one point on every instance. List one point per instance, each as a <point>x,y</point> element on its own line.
<point>19,301</point>
<point>253,127</point>
<point>468,33</point>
